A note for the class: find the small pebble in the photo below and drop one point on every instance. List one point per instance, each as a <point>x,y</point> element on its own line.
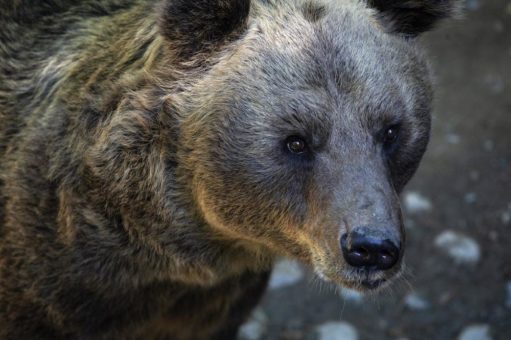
<point>415,203</point>
<point>495,82</point>
<point>351,295</point>
<point>498,26</point>
<point>286,273</point>
<point>488,145</point>
<point>493,235</point>
<point>508,293</point>
<point>505,217</point>
<point>461,248</point>
<point>337,331</point>
<point>475,332</point>
<point>415,302</point>
<point>255,327</point>
<point>453,138</point>
<point>446,297</point>
<point>470,197</point>
<point>474,175</point>
<point>472,5</point>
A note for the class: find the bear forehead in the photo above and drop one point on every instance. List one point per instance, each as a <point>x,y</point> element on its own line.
<point>344,37</point>
<point>344,53</point>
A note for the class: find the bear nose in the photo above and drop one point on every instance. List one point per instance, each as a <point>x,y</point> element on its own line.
<point>369,252</point>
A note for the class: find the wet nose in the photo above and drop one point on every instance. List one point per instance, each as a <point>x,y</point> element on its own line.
<point>370,252</point>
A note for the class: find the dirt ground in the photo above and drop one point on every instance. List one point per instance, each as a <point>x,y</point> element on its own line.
<point>458,212</point>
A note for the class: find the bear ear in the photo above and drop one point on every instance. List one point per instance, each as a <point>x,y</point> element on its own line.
<point>194,26</point>
<point>412,17</point>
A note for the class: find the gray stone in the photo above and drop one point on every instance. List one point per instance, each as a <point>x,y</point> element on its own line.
<point>498,26</point>
<point>472,5</point>
<point>505,217</point>
<point>495,83</point>
<point>415,302</point>
<point>470,197</point>
<point>416,203</point>
<point>475,332</point>
<point>285,273</point>
<point>488,145</point>
<point>255,327</point>
<point>463,249</point>
<point>474,175</point>
<point>508,294</point>
<point>337,331</point>
<point>453,138</point>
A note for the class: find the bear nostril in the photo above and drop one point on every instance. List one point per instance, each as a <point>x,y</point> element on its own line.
<point>362,252</point>
<point>388,255</point>
<point>369,252</point>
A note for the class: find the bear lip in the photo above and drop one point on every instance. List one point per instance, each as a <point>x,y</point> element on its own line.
<point>362,281</point>
<point>373,284</point>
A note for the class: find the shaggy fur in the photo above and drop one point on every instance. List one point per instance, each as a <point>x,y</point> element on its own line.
<point>145,183</point>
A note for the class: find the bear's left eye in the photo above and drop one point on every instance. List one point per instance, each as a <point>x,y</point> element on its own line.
<point>390,136</point>
<point>296,145</point>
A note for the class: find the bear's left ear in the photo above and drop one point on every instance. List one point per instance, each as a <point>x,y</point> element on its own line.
<point>412,17</point>
<point>193,26</point>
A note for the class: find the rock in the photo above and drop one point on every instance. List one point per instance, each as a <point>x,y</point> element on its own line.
<point>472,5</point>
<point>255,327</point>
<point>470,197</point>
<point>505,217</point>
<point>445,298</point>
<point>493,235</point>
<point>337,331</point>
<point>508,294</point>
<point>453,138</point>
<point>416,203</point>
<point>488,145</point>
<point>461,248</point>
<point>475,332</point>
<point>415,302</point>
<point>351,295</point>
<point>285,273</point>
<point>498,26</point>
<point>474,175</point>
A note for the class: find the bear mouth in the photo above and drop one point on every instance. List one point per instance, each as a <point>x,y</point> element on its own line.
<point>360,280</point>
<point>373,284</point>
<point>366,285</point>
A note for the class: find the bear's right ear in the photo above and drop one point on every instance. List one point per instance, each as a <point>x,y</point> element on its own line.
<point>412,17</point>
<point>194,26</point>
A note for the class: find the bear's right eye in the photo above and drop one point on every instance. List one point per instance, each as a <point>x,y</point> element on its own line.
<point>390,137</point>
<point>296,145</point>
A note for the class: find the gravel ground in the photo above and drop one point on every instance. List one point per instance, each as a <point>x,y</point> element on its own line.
<point>458,213</point>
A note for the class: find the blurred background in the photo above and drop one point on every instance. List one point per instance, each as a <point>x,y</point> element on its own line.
<point>457,208</point>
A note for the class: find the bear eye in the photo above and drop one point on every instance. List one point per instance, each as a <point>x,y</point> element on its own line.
<point>390,135</point>
<point>296,145</point>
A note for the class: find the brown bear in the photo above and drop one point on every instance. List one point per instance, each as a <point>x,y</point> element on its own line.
<point>157,155</point>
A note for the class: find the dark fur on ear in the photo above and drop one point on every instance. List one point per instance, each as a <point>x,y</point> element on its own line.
<point>192,26</point>
<point>412,17</point>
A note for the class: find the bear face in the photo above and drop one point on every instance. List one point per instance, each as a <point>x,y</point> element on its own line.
<point>307,126</point>
<point>270,127</point>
